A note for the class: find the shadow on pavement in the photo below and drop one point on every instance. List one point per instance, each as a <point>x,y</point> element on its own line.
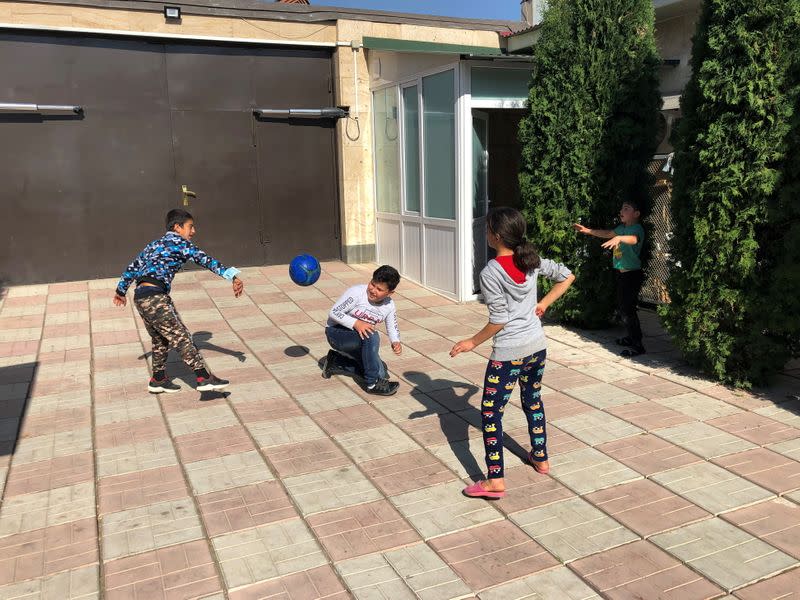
<point>456,418</point>
<point>16,382</point>
<point>296,351</point>
<point>201,340</point>
<point>663,356</point>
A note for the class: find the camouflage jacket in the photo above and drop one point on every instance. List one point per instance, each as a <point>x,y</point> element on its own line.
<point>161,259</point>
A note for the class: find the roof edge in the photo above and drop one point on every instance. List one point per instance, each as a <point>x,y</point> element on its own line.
<point>257,9</point>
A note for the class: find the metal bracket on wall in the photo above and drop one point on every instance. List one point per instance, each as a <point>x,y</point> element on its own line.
<point>301,113</point>
<point>17,107</point>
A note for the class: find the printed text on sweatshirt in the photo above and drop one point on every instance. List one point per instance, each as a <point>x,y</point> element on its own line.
<point>355,305</point>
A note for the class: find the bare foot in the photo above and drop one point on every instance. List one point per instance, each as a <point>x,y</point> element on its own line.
<point>493,485</point>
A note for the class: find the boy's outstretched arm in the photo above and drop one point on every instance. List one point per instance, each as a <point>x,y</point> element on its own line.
<point>601,233</point>
<point>193,253</point>
<point>620,239</point>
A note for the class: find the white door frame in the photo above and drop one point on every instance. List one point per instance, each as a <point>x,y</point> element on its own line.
<point>465,105</point>
<point>464,184</point>
<point>479,115</point>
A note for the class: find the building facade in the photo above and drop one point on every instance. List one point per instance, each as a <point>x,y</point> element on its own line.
<point>112,112</point>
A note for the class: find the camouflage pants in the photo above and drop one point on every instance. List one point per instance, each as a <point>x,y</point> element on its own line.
<point>166,329</point>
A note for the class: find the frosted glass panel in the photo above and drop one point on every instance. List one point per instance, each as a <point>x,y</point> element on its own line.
<point>440,258</point>
<point>388,242</point>
<point>387,171</point>
<point>412,251</point>
<point>411,150</point>
<point>500,84</point>
<point>438,101</point>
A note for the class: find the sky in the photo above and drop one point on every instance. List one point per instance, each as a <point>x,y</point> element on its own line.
<point>474,9</point>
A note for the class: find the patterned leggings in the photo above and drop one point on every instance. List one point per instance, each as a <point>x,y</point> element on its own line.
<point>167,330</point>
<point>501,377</point>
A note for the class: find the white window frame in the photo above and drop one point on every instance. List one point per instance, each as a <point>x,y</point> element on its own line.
<point>419,218</point>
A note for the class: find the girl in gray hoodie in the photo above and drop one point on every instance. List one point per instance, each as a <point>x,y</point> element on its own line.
<point>509,289</point>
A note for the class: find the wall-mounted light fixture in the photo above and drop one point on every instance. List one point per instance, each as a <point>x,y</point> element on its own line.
<point>172,13</point>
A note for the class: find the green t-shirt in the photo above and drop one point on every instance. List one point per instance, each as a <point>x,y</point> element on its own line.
<point>626,256</point>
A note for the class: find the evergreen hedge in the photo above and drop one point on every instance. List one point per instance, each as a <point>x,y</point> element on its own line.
<point>735,281</point>
<point>587,138</point>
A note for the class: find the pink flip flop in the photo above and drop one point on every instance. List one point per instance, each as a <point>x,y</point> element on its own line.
<point>476,491</point>
<point>537,465</point>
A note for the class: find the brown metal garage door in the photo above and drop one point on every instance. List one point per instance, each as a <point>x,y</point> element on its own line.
<point>82,193</point>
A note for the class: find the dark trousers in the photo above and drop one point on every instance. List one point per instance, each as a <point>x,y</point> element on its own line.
<point>364,354</point>
<point>629,284</point>
<point>500,381</point>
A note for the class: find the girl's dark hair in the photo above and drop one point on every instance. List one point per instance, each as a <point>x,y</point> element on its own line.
<point>177,216</point>
<point>509,224</point>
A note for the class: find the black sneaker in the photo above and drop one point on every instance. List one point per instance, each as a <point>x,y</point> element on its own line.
<point>161,386</point>
<point>383,387</point>
<point>212,382</point>
<point>329,366</point>
<point>633,351</point>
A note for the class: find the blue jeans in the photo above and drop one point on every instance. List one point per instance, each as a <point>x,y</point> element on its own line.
<point>364,354</point>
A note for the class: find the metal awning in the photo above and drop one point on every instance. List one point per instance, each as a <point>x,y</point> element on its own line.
<point>395,45</point>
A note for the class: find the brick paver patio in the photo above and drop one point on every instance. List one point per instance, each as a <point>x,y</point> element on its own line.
<point>663,484</point>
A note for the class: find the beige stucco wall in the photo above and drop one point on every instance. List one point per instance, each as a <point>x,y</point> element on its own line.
<point>354,138</point>
<point>153,22</point>
<point>674,40</point>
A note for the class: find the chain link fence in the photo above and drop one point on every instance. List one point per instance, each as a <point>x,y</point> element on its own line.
<point>654,290</point>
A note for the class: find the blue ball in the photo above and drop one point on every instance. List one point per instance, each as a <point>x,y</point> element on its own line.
<point>304,269</point>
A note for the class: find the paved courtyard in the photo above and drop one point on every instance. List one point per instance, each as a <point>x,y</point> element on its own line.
<point>663,484</point>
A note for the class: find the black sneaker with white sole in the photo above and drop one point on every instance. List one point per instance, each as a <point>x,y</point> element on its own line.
<point>162,386</point>
<point>633,351</point>
<point>383,387</point>
<point>329,366</point>
<point>210,383</point>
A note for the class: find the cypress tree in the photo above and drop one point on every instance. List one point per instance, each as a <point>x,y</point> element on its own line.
<point>588,137</point>
<point>735,282</point>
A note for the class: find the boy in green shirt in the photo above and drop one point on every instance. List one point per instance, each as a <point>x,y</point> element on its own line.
<point>626,241</point>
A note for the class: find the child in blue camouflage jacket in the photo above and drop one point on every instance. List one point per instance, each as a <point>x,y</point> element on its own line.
<point>153,271</point>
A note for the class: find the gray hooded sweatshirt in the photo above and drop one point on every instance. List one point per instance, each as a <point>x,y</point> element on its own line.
<point>513,304</point>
